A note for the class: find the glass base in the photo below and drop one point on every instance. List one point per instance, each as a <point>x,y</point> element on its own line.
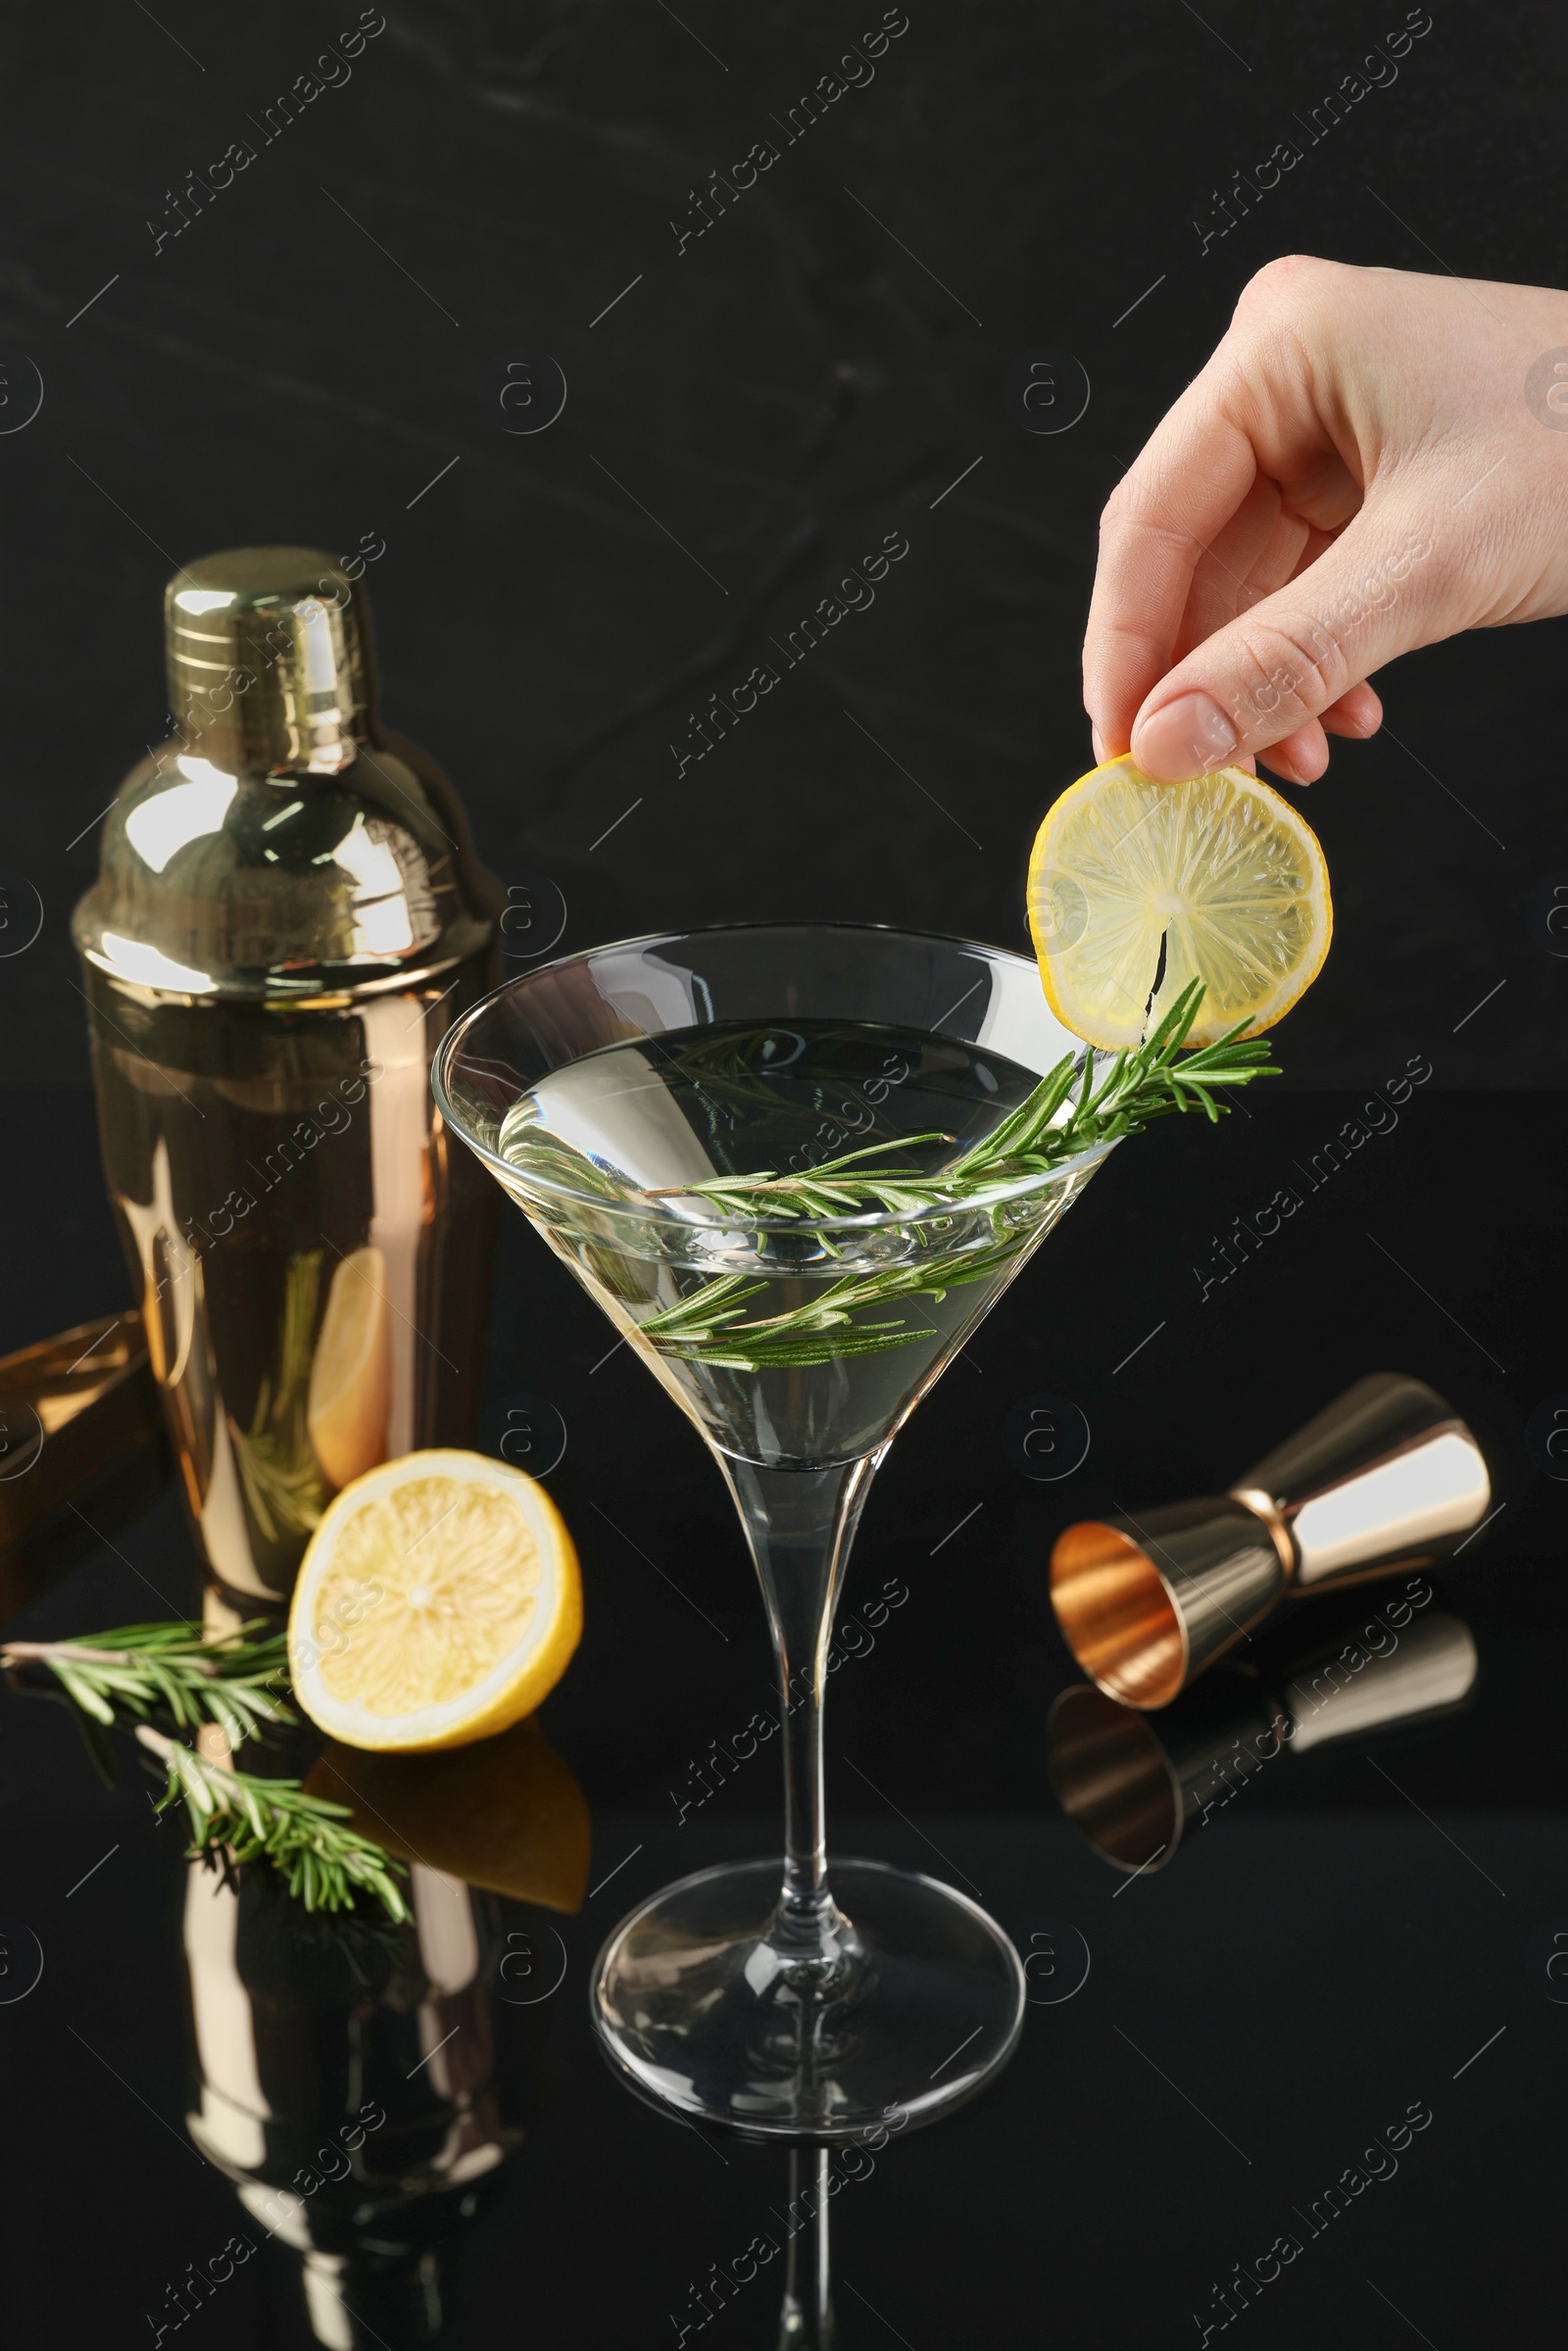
<point>701,2007</point>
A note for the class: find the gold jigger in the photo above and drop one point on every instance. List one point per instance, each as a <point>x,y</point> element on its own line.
<point>1135,1791</point>
<point>1385,1476</point>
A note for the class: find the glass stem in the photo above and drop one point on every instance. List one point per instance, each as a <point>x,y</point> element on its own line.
<point>800,1524</point>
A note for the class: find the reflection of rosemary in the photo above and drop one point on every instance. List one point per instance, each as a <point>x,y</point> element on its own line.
<point>711,1327</point>
<point>280,1472</point>
<point>140,1670</point>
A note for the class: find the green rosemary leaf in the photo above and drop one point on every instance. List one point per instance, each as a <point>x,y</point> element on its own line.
<point>724,1292</point>
<point>252,1819</point>
<point>1067,1115</point>
<point>765,1180</point>
<point>81,1692</point>
<point>822,1329</point>
<point>141,1670</point>
<point>168,1668</point>
<point>779,1352</point>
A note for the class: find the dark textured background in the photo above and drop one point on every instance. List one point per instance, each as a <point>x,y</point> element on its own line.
<point>783,393</point>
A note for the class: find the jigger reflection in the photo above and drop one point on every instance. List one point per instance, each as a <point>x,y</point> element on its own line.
<point>1388,1476</point>
<point>1135,1788</point>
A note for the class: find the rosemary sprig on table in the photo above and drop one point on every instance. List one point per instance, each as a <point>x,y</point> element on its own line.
<point>1065,1116</point>
<point>139,1668</point>
<point>137,1671</point>
<point>245,1818</point>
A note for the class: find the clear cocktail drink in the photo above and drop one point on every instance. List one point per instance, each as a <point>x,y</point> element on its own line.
<point>795,1164</point>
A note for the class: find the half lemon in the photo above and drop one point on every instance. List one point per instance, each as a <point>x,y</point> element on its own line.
<point>439,1600</point>
<point>1137,888</point>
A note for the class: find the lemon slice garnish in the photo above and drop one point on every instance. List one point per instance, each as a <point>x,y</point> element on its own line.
<point>1217,881</point>
<point>439,1600</point>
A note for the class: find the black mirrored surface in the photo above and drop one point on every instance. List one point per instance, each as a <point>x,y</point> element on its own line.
<point>1303,2068</point>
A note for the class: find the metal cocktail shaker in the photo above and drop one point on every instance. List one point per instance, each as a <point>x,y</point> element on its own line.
<point>287,918</point>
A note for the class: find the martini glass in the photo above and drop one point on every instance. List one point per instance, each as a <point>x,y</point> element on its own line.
<point>783,2004</point>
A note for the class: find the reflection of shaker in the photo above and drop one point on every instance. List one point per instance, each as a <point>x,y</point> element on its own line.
<point>346,2081</point>
<point>288,919</point>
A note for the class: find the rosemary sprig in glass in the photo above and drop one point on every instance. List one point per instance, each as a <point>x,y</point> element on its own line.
<point>1067,1115</point>
<point>709,1327</point>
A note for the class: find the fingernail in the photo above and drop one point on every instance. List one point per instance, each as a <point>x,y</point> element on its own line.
<point>1186,738</point>
<point>1099,741</point>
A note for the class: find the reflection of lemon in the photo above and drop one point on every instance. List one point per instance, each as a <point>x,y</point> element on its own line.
<point>1221,872</point>
<point>351,1373</point>
<point>506,1812</point>
<point>438,1601</point>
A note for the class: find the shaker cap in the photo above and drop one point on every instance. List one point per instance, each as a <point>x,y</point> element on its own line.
<point>282,845</point>
<point>269,654</point>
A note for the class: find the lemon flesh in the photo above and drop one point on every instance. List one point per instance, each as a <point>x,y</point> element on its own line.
<point>439,1601</point>
<point>1133,881</point>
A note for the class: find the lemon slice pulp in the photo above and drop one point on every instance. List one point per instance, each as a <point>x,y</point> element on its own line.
<point>439,1600</point>
<point>1137,888</point>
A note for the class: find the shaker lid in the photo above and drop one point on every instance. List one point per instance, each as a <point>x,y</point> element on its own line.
<point>280,844</point>
<point>269,654</point>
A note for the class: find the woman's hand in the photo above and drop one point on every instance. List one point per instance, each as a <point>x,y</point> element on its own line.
<point>1359,469</point>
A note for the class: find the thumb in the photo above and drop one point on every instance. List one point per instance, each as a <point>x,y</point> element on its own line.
<point>1371,595</point>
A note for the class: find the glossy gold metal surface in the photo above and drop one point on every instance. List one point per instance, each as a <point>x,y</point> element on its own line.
<point>286,921</point>
<point>344,2080</point>
<point>1429,1672</point>
<point>269,656</point>
<point>282,844</point>
<point>1112,1778</point>
<point>1115,1613</point>
<point>1145,1604</point>
<point>71,1407</point>
<point>1387,1477</point>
